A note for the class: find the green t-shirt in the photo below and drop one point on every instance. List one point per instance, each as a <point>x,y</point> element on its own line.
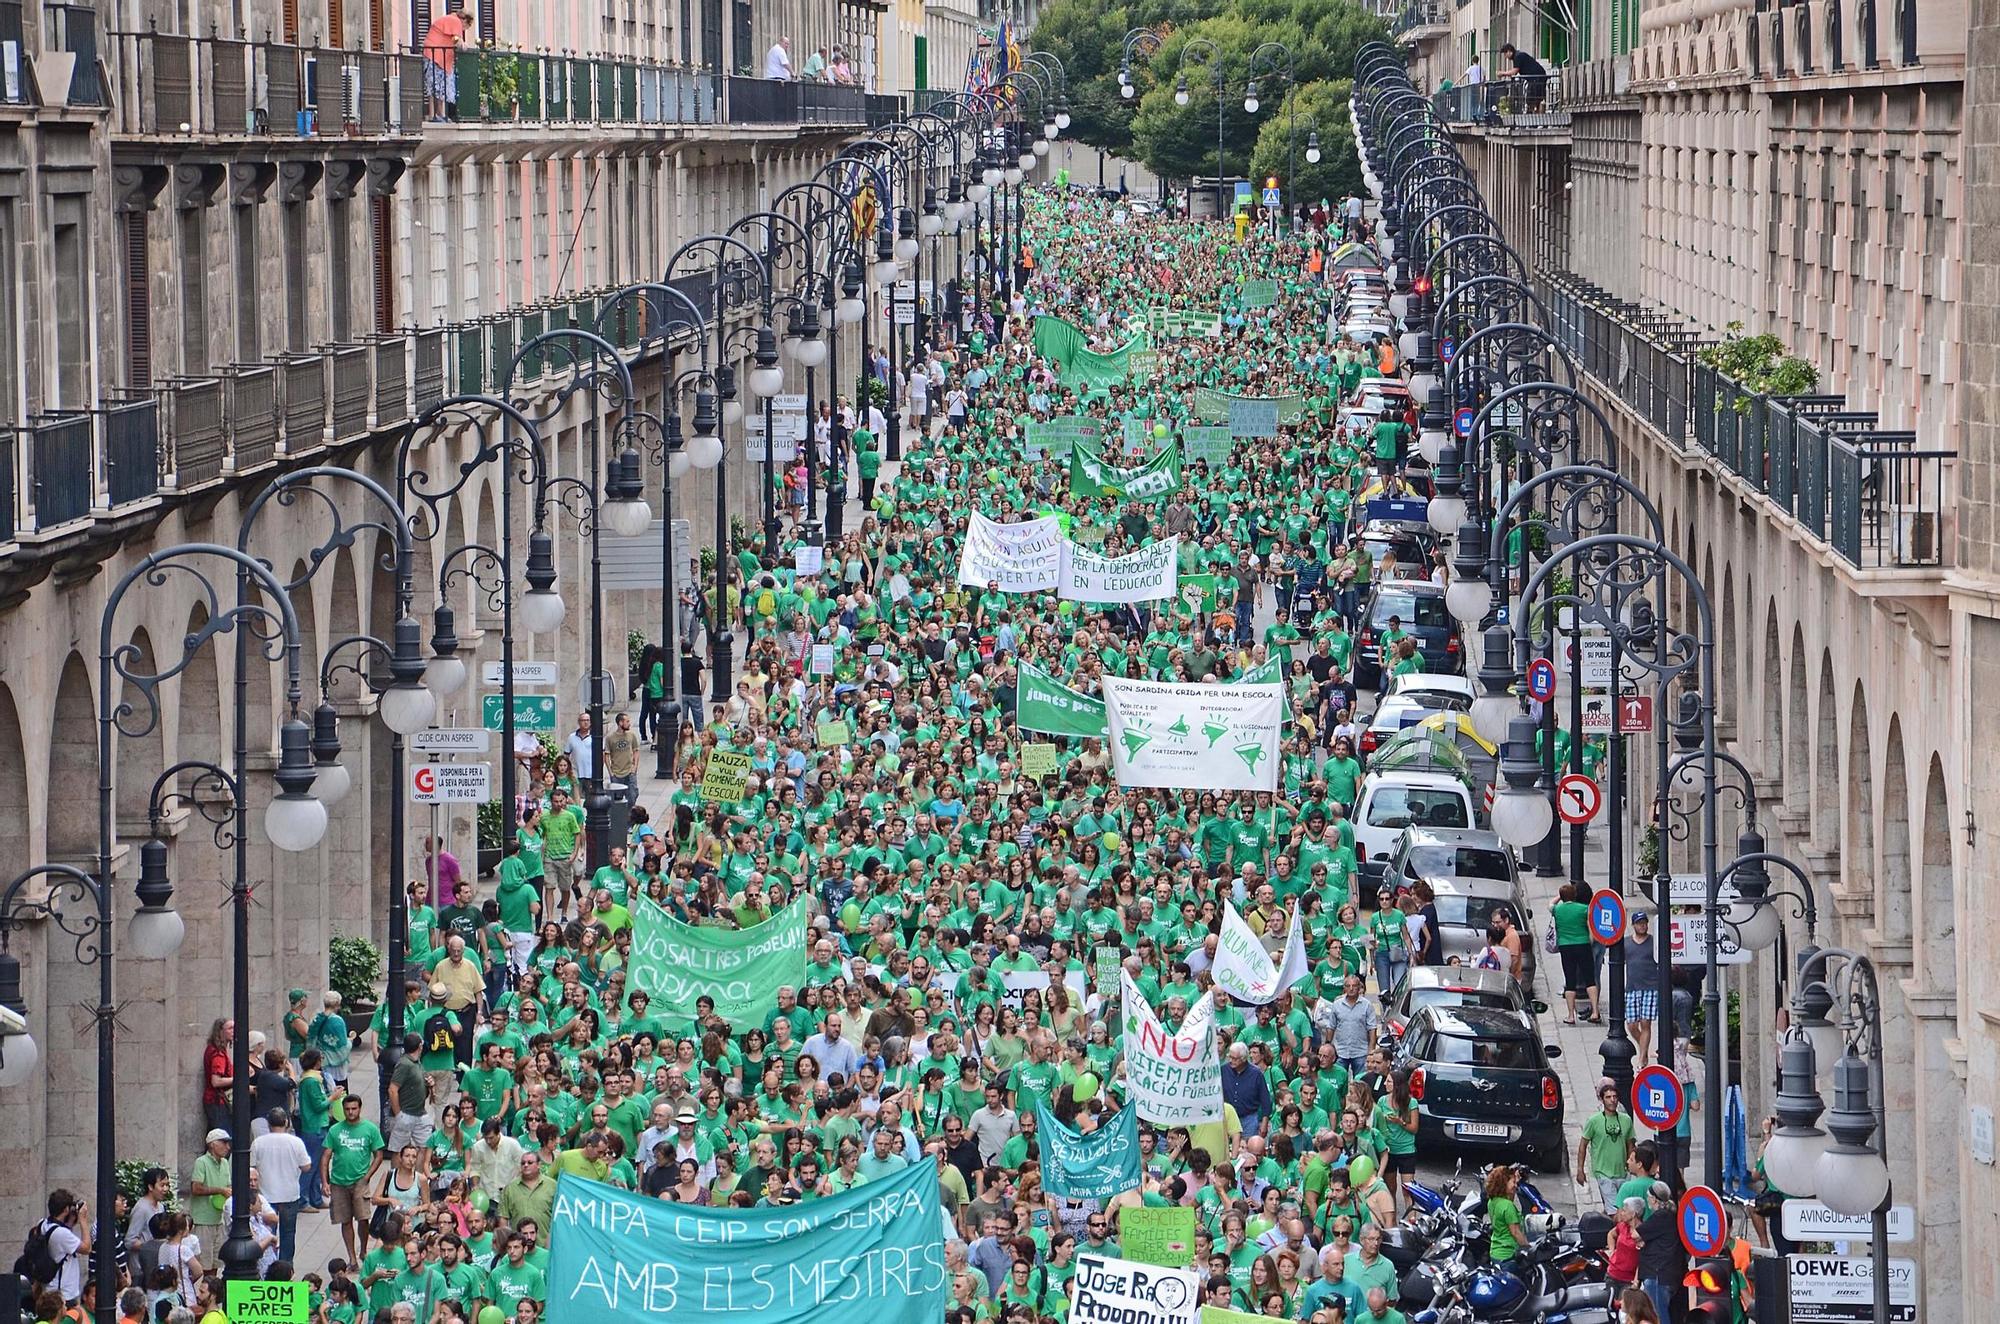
<point>559,835</point>
<point>516,895</point>
<point>353,1148</point>
<point>1608,1137</point>
<point>206,1210</point>
<point>1572,926</point>
<point>510,1285</point>
<point>1505,1217</point>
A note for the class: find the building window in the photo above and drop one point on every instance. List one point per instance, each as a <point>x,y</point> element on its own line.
<point>193,239</point>
<point>10,329</point>
<point>340,275</point>
<point>295,276</point>
<point>249,340</point>
<point>71,248</point>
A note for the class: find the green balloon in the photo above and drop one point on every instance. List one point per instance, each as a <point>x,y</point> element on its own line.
<point>1361,1172</point>
<point>850,916</point>
<point>1085,1088</point>
<point>1159,429</point>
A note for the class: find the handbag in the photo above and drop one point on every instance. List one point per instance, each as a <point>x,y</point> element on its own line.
<point>1549,944</point>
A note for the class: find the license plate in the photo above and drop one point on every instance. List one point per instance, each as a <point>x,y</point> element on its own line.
<point>1492,1130</point>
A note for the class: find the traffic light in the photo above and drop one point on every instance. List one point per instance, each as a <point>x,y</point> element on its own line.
<point>1713,1278</point>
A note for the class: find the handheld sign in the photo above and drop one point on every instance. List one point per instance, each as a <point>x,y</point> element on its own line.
<point>1461,422</point>
<point>267,1303</point>
<point>1703,1224</point>
<point>1657,1097</point>
<point>1541,680</point>
<point>1577,798</point>
<point>1607,917</point>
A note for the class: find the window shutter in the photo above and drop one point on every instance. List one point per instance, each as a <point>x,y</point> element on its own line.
<point>138,302</point>
<point>385,272</point>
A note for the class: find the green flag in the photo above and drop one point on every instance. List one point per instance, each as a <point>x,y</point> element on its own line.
<point>1043,703</point>
<point>1091,475</point>
<point>742,969</point>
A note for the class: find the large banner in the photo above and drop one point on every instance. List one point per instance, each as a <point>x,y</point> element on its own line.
<point>1174,1079</point>
<point>1066,346</point>
<point>1088,1167</point>
<point>872,1255</point>
<point>1147,575</point>
<point>1092,476</point>
<point>1212,405</point>
<point>742,969</point>
<point>1058,436</point>
<point>1043,703</point>
<point>1118,1291</point>
<point>1021,558</point>
<point>1245,971</point>
<point>1198,737</point>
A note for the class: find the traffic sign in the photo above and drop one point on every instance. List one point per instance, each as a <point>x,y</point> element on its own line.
<point>1688,935</point>
<point>525,673</point>
<point>1596,709</point>
<point>1578,798</point>
<point>1607,917</point>
<point>1541,680</point>
<point>448,740</point>
<point>1635,714</point>
<point>1595,649</point>
<point>1691,889</point>
<point>1461,422</point>
<point>1657,1097</point>
<point>1810,1220</point>
<point>1703,1224</point>
<point>451,783</point>
<point>1446,348</point>
<point>1272,198</point>
<point>532,712</point>
<point>1835,1289</point>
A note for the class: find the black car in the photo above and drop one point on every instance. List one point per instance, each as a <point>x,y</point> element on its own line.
<point>1418,605</point>
<point>1481,1080</point>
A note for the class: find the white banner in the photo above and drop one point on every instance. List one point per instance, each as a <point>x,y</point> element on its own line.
<point>1201,737</point>
<point>1014,985</point>
<point>1244,970</point>
<point>1150,574</point>
<point>1176,1079</point>
<point>1021,558</point>
<point>1107,1291</point>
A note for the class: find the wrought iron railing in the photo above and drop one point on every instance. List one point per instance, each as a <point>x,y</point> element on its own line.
<point>180,86</point>
<point>494,85</point>
<point>62,468</point>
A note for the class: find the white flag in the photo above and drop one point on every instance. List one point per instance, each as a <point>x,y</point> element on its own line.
<point>1021,558</point>
<point>1243,969</point>
<point>1199,737</point>
<point>1175,1078</point>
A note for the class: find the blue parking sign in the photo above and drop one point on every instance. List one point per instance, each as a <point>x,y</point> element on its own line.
<point>1703,1225</point>
<point>1658,1098</point>
<point>1607,916</point>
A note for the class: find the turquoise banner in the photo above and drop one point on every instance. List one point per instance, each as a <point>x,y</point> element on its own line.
<point>1096,1166</point>
<point>872,1255</point>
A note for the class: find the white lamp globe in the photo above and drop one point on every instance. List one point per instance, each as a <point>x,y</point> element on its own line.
<point>1180,96</point>
<point>767,382</point>
<point>811,352</point>
<point>1312,155</point>
<point>542,611</point>
<point>442,675</point>
<point>1792,1160</point>
<point>1490,713</point>
<point>1250,104</point>
<point>407,709</point>
<point>1422,384</point>
<point>732,413</point>
<point>1062,121</point>
<point>19,1056</point>
<point>154,933</point>
<point>705,452</point>
<point>294,821</point>
<point>1013,174</point>
<point>929,224</point>
<point>1756,926</point>
<point>1430,445</point>
<point>1446,513</point>
<point>678,463</point>
<point>850,310</point>
<point>1522,817</point>
<point>628,519</point>
<point>1399,306</point>
<point>1041,146</point>
<point>1027,161</point>
<point>331,782</point>
<point>1468,599</point>
<point>906,250</point>
<point>885,271</point>
<point>1852,1180</point>
<point>1127,91</point>
<point>1406,344</point>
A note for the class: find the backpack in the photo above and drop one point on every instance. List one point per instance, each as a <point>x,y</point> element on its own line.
<point>37,1262</point>
<point>1489,958</point>
<point>438,1036</point>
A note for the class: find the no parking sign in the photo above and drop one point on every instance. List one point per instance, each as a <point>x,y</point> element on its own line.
<point>1658,1098</point>
<point>1607,916</point>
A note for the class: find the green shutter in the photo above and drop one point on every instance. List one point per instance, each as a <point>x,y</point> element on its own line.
<point>921,65</point>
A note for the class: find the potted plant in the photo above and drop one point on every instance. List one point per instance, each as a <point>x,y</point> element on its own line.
<point>492,823</point>
<point>353,970</point>
<point>503,85</point>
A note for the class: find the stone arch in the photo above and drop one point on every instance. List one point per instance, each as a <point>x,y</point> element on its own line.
<point>1937,909</point>
<point>1894,904</point>
<point>72,826</point>
<point>1798,767</point>
<point>259,716</point>
<point>137,760</point>
<point>346,619</point>
<point>311,647</point>
<point>1826,798</point>
<point>1858,833</point>
<point>15,827</point>
<point>199,712</point>
<point>1771,699</point>
<point>1729,651</point>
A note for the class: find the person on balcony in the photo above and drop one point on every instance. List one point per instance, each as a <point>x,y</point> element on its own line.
<point>778,60</point>
<point>447,33</point>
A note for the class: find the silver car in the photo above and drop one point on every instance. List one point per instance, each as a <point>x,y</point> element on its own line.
<point>1475,878</point>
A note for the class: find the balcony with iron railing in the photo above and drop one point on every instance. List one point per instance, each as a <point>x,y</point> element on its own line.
<point>67,69</point>
<point>1420,20</point>
<point>1877,496</point>
<point>184,434</point>
<point>174,86</point>
<point>1512,104</point>
<point>496,86</point>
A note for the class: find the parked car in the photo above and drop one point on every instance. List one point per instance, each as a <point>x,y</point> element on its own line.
<point>1418,607</point>
<point>1406,706</point>
<point>1481,1080</point>
<point>1475,878</point>
<point>1452,986</point>
<point>1388,802</point>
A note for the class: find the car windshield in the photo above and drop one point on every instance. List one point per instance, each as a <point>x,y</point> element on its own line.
<point>1404,806</point>
<point>1437,701</point>
<point>1458,862</point>
<point>1457,997</point>
<point>1505,1054</point>
<point>1474,912</point>
<point>1426,610</point>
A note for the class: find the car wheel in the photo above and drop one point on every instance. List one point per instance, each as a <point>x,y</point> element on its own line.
<point>1551,1159</point>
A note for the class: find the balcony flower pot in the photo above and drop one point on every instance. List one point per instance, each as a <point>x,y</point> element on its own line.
<point>53,72</point>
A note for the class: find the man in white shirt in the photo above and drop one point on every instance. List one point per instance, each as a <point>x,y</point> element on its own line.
<point>495,1162</point>
<point>68,1231</point>
<point>994,1125</point>
<point>778,60</point>
<point>578,749</point>
<point>833,1053</point>
<point>263,1222</point>
<point>279,1159</point>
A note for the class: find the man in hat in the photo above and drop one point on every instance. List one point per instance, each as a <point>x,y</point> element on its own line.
<point>687,1143</point>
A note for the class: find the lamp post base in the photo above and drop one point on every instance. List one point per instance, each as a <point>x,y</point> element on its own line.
<point>239,1256</point>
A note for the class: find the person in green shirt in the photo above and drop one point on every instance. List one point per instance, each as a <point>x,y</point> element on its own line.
<point>867,462</point>
<point>1571,916</point>
<point>354,1150</point>
<point>210,1184</point>
<point>514,1280</point>
<point>1503,1214</point>
<point>1603,1150</point>
<point>520,899</point>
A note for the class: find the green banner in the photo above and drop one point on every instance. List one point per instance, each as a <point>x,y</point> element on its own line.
<point>742,969</point>
<point>1197,593</point>
<point>1091,476</point>
<point>1158,1236</point>
<point>1058,436</point>
<point>1206,442</point>
<point>870,1255</point>
<point>1260,293</point>
<point>1066,346</point>
<point>1043,703</point>
<point>1212,405</point>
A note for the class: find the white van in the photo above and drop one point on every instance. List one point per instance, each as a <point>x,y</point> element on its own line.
<point>1396,798</point>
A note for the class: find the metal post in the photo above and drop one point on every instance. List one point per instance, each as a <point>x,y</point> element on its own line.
<point>238,1252</point>
<point>597,809</point>
<point>509,785</point>
<point>1616,1047</point>
<point>719,641</point>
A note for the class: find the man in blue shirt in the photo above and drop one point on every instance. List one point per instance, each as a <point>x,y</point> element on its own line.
<point>1245,1089</point>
